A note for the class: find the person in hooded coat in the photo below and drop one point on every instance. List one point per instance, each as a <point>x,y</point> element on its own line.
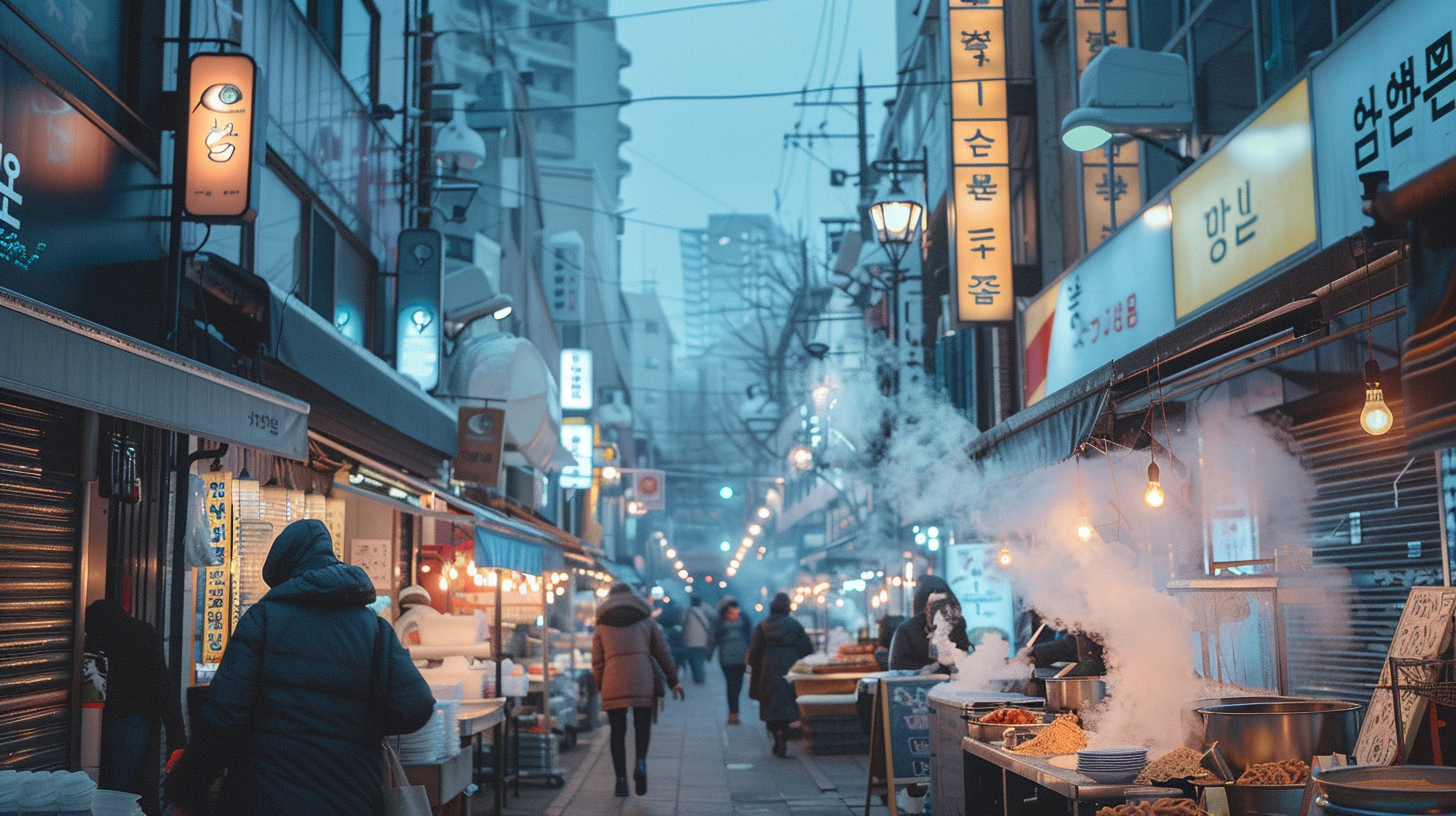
<point>777,644</point>
<point>910,646</point>
<point>625,645</point>
<point>311,681</point>
<point>141,696</point>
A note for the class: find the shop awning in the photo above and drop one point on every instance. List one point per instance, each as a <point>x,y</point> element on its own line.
<point>573,548</point>
<point>1047,432</point>
<point>311,346</point>
<point>52,355</point>
<point>500,551</point>
<point>626,573</point>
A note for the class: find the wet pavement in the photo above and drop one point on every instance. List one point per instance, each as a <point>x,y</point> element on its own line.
<point>698,765</point>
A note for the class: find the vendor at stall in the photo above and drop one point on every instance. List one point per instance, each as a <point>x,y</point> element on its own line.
<point>415,602</point>
<point>1069,647</point>
<point>910,648</point>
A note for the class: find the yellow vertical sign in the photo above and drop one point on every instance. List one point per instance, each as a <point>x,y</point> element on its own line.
<point>1111,184</point>
<point>980,212</point>
<point>217,581</point>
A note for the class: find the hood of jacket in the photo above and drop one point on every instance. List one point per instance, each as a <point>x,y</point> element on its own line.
<point>622,609</point>
<point>301,568</point>
<point>781,630</point>
<point>923,589</point>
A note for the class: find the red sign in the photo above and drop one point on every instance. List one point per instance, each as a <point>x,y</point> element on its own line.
<point>651,489</point>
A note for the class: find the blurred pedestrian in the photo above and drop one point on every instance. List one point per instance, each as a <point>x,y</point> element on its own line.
<point>142,700</point>
<point>626,644</point>
<point>777,644</point>
<point>310,682</point>
<point>697,628</point>
<point>731,633</point>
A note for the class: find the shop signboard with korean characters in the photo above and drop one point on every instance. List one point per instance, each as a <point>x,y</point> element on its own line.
<point>1115,300</point>
<point>1247,208</point>
<point>576,379</point>
<point>980,212</point>
<point>219,140</point>
<point>1384,99</point>
<point>578,439</point>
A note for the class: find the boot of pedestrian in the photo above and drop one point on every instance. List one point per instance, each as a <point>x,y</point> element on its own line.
<point>621,786</point>
<point>733,718</point>
<point>780,744</point>
<point>640,776</point>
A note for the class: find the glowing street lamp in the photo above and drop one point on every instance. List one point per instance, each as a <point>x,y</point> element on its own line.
<point>801,457</point>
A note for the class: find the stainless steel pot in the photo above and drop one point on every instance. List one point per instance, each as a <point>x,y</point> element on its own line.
<point>1250,733</point>
<point>1265,800</point>
<point>1074,693</point>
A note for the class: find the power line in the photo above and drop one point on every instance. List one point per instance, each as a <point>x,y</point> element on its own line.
<point>721,97</point>
<point>605,17</point>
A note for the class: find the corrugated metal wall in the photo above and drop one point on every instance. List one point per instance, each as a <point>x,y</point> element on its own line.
<point>1357,525</point>
<point>137,532</point>
<point>40,534</point>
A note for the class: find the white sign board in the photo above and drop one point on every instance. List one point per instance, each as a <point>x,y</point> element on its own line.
<point>1384,100</point>
<point>578,440</point>
<point>1116,300</point>
<point>981,587</point>
<point>576,380</point>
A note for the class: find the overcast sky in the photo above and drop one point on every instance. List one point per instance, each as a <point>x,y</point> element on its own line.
<point>694,158</point>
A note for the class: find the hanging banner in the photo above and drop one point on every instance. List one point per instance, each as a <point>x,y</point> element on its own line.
<point>217,581</point>
<point>1111,178</point>
<point>482,436</point>
<point>980,211</point>
<point>219,139</point>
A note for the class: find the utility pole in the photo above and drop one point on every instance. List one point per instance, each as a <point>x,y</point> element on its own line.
<point>866,177</point>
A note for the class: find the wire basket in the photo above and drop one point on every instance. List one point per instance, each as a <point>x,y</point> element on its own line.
<point>1435,680</point>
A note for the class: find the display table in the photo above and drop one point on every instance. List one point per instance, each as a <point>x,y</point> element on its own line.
<point>444,781</point>
<point>806,684</point>
<point>998,782</point>
<point>477,716</point>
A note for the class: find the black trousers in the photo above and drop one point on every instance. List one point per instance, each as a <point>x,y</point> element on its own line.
<point>642,725</point>
<point>734,676</point>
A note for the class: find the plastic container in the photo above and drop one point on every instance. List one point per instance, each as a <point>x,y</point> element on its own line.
<point>73,793</point>
<point>37,795</point>
<point>114,803</point>
<point>513,679</point>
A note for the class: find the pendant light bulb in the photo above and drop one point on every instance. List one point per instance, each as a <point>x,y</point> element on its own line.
<point>1376,417</point>
<point>1084,529</point>
<point>1004,557</point>
<point>1154,495</point>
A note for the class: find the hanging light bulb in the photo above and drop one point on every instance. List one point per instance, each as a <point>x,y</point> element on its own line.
<point>1004,557</point>
<point>444,583</point>
<point>1375,417</point>
<point>1084,529</point>
<point>1154,495</point>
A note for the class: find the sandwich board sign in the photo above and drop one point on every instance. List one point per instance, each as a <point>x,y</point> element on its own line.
<point>900,736</point>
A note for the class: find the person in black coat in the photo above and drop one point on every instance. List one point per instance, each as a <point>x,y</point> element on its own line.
<point>311,681</point>
<point>141,697</point>
<point>777,644</point>
<point>732,632</point>
<point>910,647</point>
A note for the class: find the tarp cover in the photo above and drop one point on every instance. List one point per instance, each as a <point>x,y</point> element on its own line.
<point>499,551</point>
<point>1047,432</point>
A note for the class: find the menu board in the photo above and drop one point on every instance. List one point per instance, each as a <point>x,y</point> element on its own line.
<point>900,739</point>
<point>1424,632</point>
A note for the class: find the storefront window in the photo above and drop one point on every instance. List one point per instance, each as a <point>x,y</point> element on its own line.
<point>1157,20</point>
<point>278,233</point>
<point>358,53</point>
<point>91,33</point>
<point>1224,77</point>
<point>353,290</point>
<point>1290,31</point>
<point>1350,12</point>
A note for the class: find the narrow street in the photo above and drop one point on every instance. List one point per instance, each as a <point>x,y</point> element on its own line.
<point>700,766</point>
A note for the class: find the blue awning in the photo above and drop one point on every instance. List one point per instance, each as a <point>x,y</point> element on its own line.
<point>625,573</point>
<point>497,550</point>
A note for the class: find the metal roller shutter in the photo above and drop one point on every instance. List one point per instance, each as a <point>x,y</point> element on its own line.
<point>1358,525</point>
<point>40,535</point>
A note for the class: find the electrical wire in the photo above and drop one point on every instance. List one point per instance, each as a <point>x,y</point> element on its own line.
<point>630,15</point>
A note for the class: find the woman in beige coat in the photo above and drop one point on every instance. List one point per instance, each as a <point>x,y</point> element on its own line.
<point>626,642</point>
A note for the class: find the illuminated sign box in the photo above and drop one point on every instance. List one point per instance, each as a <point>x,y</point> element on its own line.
<point>1247,207</point>
<point>576,379</point>
<point>218,144</point>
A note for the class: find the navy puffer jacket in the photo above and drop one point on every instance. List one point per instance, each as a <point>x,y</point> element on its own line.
<point>289,713</point>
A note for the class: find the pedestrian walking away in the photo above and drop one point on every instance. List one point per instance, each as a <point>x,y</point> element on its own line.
<point>141,699</point>
<point>777,644</point>
<point>731,634</point>
<point>311,680</point>
<point>626,644</point>
<point>697,626</point>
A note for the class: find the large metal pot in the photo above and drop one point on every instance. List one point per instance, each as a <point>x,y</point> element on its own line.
<point>1074,693</point>
<point>1250,733</point>
<point>1265,800</point>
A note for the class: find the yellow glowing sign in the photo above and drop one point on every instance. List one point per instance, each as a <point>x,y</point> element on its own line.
<point>219,137</point>
<point>980,213</point>
<point>217,581</point>
<point>1247,207</point>
<point>1111,185</point>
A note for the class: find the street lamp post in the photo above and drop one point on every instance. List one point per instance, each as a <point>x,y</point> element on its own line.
<point>897,218</point>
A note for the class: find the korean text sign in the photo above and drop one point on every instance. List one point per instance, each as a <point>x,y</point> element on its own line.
<point>217,581</point>
<point>1248,207</point>
<point>980,215</point>
<point>1384,100</point>
<point>219,146</point>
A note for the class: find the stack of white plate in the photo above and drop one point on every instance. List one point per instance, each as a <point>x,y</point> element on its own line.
<point>437,741</point>
<point>1111,766</point>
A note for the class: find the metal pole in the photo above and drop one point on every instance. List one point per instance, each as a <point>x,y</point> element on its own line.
<point>1441,507</point>
<point>866,183</point>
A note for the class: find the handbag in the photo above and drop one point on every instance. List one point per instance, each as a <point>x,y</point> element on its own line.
<point>400,797</point>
